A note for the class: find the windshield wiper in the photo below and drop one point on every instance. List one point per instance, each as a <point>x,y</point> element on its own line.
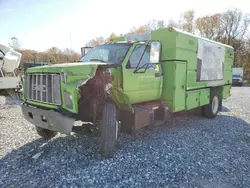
<point>97,60</point>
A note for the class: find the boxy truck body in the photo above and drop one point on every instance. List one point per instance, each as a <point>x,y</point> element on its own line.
<point>191,67</point>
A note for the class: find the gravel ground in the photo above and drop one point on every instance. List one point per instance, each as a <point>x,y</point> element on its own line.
<point>188,152</point>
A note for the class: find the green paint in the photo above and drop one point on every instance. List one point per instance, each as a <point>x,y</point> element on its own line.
<point>175,87</point>
<point>174,84</point>
<point>226,91</point>
<point>204,96</point>
<point>41,104</point>
<point>192,99</point>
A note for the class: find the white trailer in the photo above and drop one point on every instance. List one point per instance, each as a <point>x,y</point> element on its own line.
<point>9,62</point>
<point>238,76</point>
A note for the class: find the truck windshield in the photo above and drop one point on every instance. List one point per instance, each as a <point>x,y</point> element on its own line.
<point>108,53</point>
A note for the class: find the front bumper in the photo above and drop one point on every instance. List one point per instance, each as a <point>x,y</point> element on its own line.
<point>48,119</point>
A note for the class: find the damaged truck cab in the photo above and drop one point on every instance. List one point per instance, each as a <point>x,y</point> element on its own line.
<point>134,81</point>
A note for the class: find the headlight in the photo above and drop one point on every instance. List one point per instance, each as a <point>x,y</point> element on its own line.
<point>68,100</point>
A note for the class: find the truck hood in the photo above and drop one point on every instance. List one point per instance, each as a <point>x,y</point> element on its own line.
<point>65,67</point>
<point>73,71</point>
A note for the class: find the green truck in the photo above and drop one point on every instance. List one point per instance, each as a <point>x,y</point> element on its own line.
<point>132,82</point>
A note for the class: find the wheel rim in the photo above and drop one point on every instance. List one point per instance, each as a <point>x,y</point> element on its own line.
<point>215,104</point>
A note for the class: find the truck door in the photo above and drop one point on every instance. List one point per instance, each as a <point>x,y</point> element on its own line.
<point>146,83</point>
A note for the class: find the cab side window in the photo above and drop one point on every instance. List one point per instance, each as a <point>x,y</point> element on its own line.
<point>136,56</point>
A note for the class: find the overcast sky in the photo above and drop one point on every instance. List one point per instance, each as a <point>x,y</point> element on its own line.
<point>46,23</point>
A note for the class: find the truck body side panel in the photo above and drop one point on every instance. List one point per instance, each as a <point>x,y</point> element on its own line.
<point>204,96</point>
<point>168,41</point>
<point>192,99</point>
<point>226,91</point>
<point>187,49</point>
<point>197,98</point>
<point>209,64</point>
<point>179,88</point>
<point>174,84</point>
<point>228,64</point>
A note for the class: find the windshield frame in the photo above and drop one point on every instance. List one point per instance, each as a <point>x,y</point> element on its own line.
<point>110,63</point>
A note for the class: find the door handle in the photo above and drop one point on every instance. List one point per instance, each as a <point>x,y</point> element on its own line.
<point>158,74</point>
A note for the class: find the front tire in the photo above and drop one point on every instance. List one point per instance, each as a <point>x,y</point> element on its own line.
<point>211,110</point>
<point>45,133</point>
<point>109,130</point>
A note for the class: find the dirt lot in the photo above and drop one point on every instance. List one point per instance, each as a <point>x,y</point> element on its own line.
<point>188,152</point>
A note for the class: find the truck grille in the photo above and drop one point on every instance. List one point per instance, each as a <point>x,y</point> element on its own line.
<point>43,88</point>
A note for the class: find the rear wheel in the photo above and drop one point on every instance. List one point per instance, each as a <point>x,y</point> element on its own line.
<point>46,133</point>
<point>211,110</point>
<point>109,130</point>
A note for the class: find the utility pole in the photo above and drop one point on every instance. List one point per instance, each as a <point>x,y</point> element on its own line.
<point>70,41</point>
<point>70,44</point>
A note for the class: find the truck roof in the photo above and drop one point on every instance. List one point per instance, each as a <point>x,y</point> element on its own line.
<point>203,38</point>
<point>146,36</point>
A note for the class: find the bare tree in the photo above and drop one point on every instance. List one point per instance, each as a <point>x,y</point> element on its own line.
<point>210,27</point>
<point>155,24</point>
<point>113,35</point>
<point>96,41</point>
<point>187,21</point>
<point>235,25</point>
<point>140,29</point>
<point>172,23</point>
<point>248,37</point>
<point>15,43</point>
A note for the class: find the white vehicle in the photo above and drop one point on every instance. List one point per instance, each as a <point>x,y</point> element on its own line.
<point>9,62</point>
<point>237,76</point>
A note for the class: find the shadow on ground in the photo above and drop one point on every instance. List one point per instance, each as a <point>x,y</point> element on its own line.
<point>225,109</point>
<point>71,155</point>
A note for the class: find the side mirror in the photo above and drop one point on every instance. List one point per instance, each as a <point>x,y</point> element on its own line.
<point>155,52</point>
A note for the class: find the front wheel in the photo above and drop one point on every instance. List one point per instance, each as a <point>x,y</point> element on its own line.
<point>211,110</point>
<point>109,130</point>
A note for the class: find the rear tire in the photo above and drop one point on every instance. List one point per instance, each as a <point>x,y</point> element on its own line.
<point>211,110</point>
<point>109,130</point>
<point>46,133</point>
